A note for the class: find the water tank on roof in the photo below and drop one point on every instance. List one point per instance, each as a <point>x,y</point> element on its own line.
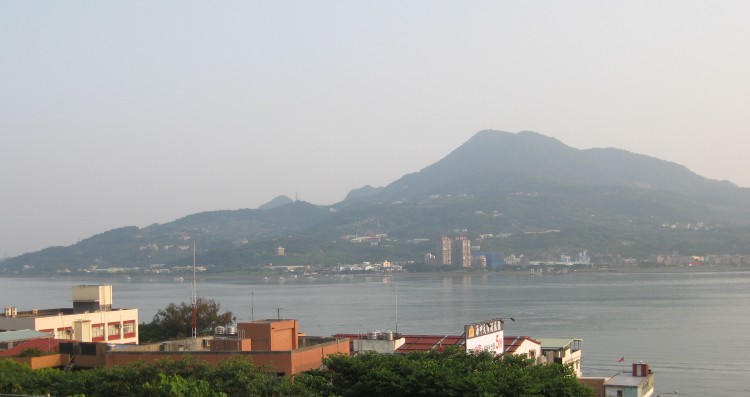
<point>389,335</point>
<point>372,335</point>
<point>219,330</point>
<point>231,330</point>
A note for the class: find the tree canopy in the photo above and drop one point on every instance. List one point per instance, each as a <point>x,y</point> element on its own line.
<point>449,373</point>
<point>452,372</point>
<point>176,321</point>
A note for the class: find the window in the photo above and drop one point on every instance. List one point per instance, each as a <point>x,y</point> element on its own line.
<point>64,333</point>
<point>619,393</point>
<point>128,328</point>
<point>113,329</point>
<point>97,331</point>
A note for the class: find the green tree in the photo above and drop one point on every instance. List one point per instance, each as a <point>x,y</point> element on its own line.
<point>176,321</point>
<point>177,386</point>
<point>448,373</point>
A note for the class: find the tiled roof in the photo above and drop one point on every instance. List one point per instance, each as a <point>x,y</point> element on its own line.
<point>429,342</point>
<point>46,345</point>
<point>512,343</point>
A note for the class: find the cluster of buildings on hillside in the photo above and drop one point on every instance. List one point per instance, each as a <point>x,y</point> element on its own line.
<point>93,333</point>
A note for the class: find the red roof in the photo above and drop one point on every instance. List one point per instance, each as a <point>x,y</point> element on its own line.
<point>512,343</point>
<point>44,344</point>
<point>430,342</point>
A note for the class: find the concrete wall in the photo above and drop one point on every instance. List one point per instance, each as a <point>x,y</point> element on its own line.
<point>219,345</point>
<point>312,357</point>
<point>384,346</point>
<point>285,362</point>
<point>271,335</point>
<point>49,361</point>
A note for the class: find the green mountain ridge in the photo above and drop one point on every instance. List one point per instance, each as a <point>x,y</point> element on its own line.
<point>607,201</point>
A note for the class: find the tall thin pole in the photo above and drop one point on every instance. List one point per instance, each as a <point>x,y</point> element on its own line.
<point>396,309</point>
<point>252,306</point>
<point>195,299</point>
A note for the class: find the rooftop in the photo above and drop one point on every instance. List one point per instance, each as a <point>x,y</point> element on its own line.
<point>626,379</point>
<point>24,334</point>
<point>430,342</point>
<point>46,344</point>
<point>557,342</point>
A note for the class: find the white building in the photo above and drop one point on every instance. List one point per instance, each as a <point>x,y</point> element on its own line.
<point>638,383</point>
<point>92,318</point>
<point>524,346</point>
<point>563,351</point>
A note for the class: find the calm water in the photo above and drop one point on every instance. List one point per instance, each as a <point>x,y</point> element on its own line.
<point>693,328</point>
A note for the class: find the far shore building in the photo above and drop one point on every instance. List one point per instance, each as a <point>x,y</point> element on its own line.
<point>461,255</point>
<point>91,319</point>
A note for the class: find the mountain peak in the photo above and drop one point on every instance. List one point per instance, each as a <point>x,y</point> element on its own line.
<point>276,202</point>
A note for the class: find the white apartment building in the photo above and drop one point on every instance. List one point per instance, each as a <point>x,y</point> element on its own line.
<point>92,318</point>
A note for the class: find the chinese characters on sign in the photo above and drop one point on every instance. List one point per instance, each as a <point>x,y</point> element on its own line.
<point>485,336</point>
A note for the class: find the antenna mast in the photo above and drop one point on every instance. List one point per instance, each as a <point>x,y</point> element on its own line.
<point>195,299</point>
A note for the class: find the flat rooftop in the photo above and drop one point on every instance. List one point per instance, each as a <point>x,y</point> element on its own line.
<point>626,379</point>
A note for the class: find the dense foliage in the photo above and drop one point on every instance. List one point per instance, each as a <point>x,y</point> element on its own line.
<point>176,321</point>
<point>449,373</point>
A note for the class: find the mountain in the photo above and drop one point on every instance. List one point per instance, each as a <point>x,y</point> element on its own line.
<point>522,193</point>
<point>365,191</point>
<point>276,202</point>
<point>495,160</point>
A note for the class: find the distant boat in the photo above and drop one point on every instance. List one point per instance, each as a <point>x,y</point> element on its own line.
<point>179,279</point>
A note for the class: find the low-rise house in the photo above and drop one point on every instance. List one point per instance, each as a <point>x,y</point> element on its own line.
<point>563,351</point>
<point>639,382</point>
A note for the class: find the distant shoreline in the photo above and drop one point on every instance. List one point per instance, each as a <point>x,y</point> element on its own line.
<point>276,277</point>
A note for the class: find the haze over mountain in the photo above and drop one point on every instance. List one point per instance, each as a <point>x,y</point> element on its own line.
<point>516,186</point>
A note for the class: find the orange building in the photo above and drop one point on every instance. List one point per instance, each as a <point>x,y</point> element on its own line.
<point>273,343</point>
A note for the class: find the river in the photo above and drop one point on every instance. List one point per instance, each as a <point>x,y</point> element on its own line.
<point>692,327</point>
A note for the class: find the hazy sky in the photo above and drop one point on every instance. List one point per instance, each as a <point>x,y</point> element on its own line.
<point>132,113</point>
